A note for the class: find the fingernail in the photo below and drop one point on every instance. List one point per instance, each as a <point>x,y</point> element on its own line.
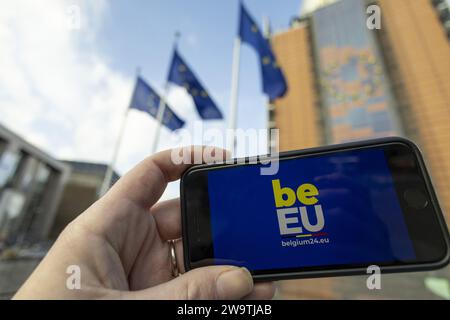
<point>234,284</point>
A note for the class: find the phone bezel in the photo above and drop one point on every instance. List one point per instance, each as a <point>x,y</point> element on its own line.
<point>342,270</point>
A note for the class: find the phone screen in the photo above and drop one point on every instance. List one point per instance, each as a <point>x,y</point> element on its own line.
<point>335,209</point>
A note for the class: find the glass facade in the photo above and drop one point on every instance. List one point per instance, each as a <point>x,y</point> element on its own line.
<point>30,187</point>
<point>21,195</point>
<point>356,99</point>
<point>9,161</point>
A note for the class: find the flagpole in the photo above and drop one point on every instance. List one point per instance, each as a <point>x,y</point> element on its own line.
<point>162,106</point>
<point>159,118</point>
<point>110,168</point>
<point>234,93</point>
<point>267,35</point>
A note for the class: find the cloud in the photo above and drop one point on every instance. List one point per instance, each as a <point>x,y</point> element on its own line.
<point>57,91</point>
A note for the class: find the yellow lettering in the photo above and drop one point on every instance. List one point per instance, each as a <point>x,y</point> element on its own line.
<point>306,194</point>
<point>278,193</point>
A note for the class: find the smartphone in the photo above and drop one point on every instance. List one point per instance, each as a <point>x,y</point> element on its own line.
<point>328,211</point>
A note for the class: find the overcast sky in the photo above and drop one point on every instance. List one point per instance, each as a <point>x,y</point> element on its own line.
<point>65,89</point>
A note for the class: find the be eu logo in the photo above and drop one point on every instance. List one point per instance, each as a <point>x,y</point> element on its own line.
<point>293,207</point>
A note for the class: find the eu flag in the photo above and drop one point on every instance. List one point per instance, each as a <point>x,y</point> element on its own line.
<point>147,100</point>
<point>274,84</point>
<point>182,75</point>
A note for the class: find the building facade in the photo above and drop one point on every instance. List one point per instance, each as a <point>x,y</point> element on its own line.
<point>418,46</point>
<point>39,197</point>
<point>299,127</point>
<point>348,83</point>
<point>81,191</point>
<point>351,83</point>
<point>355,92</point>
<point>31,184</point>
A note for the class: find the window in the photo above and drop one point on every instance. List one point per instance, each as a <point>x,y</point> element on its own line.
<point>8,166</point>
<point>381,122</point>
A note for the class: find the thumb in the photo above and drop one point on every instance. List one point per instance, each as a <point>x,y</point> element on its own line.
<point>215,282</point>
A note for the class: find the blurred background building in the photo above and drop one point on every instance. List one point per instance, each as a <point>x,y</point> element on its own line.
<point>348,82</point>
<point>31,185</point>
<point>82,190</point>
<point>39,196</point>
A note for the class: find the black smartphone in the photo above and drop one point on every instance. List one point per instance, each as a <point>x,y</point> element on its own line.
<point>327,211</point>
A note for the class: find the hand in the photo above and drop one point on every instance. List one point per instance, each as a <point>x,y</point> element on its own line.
<point>120,244</point>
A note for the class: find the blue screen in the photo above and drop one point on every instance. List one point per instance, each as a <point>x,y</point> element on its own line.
<point>334,209</point>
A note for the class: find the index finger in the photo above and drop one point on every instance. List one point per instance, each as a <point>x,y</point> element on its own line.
<point>146,182</point>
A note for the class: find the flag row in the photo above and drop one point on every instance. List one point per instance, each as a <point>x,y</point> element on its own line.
<point>146,99</point>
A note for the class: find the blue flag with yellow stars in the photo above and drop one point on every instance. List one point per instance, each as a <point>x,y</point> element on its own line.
<point>274,83</point>
<point>182,75</point>
<point>147,100</point>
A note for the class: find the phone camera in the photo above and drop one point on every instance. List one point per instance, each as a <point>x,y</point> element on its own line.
<point>416,198</point>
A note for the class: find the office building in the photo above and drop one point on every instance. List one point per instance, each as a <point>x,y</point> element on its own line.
<point>348,82</point>
<point>82,190</point>
<point>31,184</point>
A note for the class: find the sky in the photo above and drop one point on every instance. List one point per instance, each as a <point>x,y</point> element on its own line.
<point>65,83</point>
